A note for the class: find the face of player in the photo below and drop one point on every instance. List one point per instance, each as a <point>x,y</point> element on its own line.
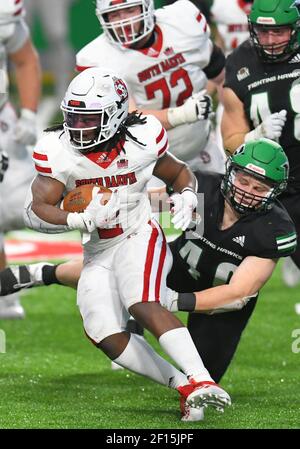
<point>128,30</point>
<point>249,191</point>
<point>273,39</point>
<point>87,125</point>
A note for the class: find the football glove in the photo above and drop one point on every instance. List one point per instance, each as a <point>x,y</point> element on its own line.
<point>26,128</point>
<point>102,215</point>
<point>271,127</point>
<point>3,164</point>
<point>82,221</point>
<point>197,107</point>
<point>182,210</point>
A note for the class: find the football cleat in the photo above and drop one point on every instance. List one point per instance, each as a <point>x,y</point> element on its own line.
<point>290,273</point>
<point>16,278</point>
<point>11,308</point>
<point>204,394</point>
<point>189,413</point>
<point>115,366</point>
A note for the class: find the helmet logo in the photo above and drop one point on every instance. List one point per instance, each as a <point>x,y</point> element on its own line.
<point>296,4</point>
<point>116,2</point>
<point>256,169</point>
<point>120,88</point>
<point>266,21</point>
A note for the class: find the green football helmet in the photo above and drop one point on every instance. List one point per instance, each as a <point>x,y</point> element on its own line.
<point>275,14</point>
<point>266,161</point>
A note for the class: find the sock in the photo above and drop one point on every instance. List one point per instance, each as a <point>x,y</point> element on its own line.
<point>49,275</point>
<point>138,356</point>
<point>178,344</point>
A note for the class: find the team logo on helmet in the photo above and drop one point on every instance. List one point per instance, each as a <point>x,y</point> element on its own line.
<point>121,88</point>
<point>296,4</point>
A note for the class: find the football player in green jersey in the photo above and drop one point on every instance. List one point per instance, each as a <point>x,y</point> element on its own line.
<point>261,94</point>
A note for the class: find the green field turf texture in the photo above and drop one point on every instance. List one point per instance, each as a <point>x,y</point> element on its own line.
<point>52,377</point>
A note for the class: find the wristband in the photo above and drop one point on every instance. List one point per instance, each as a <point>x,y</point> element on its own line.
<point>186,302</point>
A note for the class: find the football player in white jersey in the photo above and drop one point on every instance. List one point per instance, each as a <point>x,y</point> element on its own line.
<point>166,57</point>
<point>232,22</point>
<point>16,132</point>
<point>126,259</point>
<point>232,30</point>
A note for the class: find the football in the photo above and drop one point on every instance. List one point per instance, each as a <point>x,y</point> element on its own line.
<point>80,197</point>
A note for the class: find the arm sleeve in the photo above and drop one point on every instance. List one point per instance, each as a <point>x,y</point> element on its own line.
<point>50,159</point>
<point>282,242</point>
<point>216,63</point>
<point>32,221</point>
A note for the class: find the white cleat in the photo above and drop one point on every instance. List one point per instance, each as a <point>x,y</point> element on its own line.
<point>206,393</point>
<point>290,273</point>
<point>11,308</point>
<point>188,413</point>
<point>116,367</point>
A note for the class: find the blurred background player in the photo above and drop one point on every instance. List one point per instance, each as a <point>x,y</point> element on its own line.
<point>203,5</point>
<point>16,132</point>
<point>256,72</point>
<point>54,17</point>
<point>166,57</point>
<point>231,30</point>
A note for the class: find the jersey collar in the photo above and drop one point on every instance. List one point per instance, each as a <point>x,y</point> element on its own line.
<point>105,158</point>
<point>154,50</point>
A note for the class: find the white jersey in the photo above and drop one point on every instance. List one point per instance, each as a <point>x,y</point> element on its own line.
<point>127,171</point>
<point>12,38</point>
<point>231,20</point>
<point>167,73</point>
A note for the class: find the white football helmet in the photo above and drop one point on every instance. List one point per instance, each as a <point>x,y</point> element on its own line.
<point>128,35</point>
<point>11,11</point>
<point>94,107</point>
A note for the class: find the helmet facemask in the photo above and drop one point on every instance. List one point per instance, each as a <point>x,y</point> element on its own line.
<point>276,52</point>
<point>242,201</point>
<point>94,107</point>
<point>124,33</point>
<point>97,127</point>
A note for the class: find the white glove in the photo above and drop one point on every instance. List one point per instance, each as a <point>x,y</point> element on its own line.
<point>170,300</point>
<point>3,164</point>
<point>270,128</point>
<point>83,221</point>
<point>183,205</point>
<point>26,129</point>
<point>102,215</point>
<point>197,107</point>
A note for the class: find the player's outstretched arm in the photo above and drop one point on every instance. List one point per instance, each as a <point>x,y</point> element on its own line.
<point>197,107</point>
<point>28,78</point>
<point>227,297</point>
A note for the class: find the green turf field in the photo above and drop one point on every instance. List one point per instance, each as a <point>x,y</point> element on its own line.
<point>52,377</point>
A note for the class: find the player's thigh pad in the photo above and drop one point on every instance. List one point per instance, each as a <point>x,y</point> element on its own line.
<point>141,265</point>
<point>99,303</point>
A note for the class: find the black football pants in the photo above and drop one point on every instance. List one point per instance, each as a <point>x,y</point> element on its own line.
<point>216,336</point>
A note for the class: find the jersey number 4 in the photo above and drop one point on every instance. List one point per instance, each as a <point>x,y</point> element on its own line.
<point>260,108</point>
<point>221,273</point>
<point>180,76</point>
